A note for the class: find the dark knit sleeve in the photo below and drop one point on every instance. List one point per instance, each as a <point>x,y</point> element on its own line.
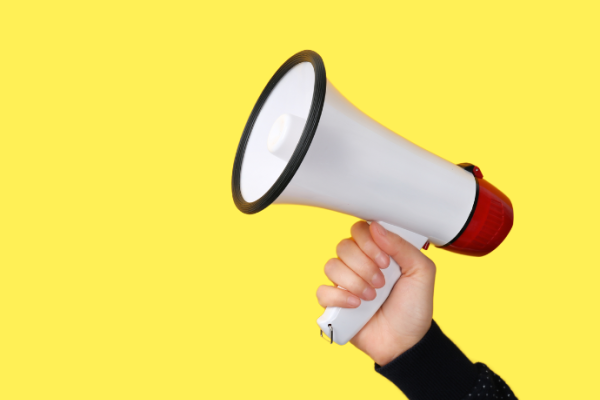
<point>436,369</point>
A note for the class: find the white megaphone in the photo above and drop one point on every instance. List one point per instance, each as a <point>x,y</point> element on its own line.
<point>304,143</point>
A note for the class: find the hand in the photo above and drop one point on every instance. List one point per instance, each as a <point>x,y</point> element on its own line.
<point>406,315</point>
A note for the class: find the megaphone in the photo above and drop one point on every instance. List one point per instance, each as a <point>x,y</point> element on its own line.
<point>304,143</point>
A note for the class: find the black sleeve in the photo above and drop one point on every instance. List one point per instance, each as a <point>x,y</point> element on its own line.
<point>435,369</point>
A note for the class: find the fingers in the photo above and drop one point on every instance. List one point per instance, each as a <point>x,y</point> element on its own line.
<point>330,296</point>
<point>354,258</point>
<point>341,275</point>
<point>407,256</point>
<point>362,236</point>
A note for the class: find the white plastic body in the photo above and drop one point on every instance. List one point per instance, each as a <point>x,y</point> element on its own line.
<point>347,322</point>
<point>356,166</point>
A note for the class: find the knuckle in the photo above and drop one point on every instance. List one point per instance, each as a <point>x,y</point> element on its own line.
<point>344,245</point>
<point>330,265</point>
<point>371,266</point>
<point>357,285</point>
<point>398,241</point>
<point>365,267</point>
<point>321,302</point>
<point>320,291</point>
<point>399,245</point>
<point>431,266</point>
<point>427,266</point>
<point>358,227</point>
<point>370,248</point>
<point>321,294</point>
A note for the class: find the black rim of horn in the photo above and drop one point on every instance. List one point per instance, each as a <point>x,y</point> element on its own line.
<point>312,121</point>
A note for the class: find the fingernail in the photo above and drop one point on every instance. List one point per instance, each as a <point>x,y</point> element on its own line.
<point>380,229</point>
<point>383,260</point>
<point>369,293</point>
<point>353,301</point>
<point>378,280</point>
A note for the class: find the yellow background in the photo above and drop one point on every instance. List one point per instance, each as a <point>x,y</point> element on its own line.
<point>126,272</point>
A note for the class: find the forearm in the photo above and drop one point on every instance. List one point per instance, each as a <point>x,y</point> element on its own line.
<point>436,369</point>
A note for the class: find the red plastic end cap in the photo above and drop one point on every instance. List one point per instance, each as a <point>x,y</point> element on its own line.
<point>490,224</point>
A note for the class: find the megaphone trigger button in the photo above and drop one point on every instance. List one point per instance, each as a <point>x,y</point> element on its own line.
<point>426,245</point>
<point>474,169</point>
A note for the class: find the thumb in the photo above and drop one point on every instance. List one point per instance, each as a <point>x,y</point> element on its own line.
<point>410,259</point>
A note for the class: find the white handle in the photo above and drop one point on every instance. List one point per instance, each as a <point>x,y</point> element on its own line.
<point>347,322</point>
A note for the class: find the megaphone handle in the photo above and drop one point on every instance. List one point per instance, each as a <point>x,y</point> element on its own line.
<point>344,323</point>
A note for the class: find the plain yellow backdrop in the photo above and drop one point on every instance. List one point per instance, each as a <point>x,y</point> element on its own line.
<point>126,272</point>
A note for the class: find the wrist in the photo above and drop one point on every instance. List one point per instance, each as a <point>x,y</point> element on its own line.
<point>400,346</point>
<point>387,358</point>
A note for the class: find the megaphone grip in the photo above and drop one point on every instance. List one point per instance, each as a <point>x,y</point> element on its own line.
<point>344,323</point>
